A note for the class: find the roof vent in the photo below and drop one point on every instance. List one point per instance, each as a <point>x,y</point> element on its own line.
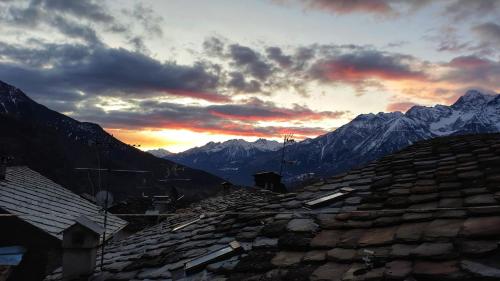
<point>183,225</point>
<point>329,198</point>
<point>198,263</point>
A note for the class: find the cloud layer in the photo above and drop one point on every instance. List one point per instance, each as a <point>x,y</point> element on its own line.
<point>87,60</point>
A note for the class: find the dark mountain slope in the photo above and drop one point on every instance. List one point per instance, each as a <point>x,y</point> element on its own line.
<point>55,144</point>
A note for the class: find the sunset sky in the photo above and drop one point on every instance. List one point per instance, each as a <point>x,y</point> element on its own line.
<point>178,74</point>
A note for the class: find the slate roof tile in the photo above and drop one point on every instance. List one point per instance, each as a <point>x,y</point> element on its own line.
<point>364,236</point>
<point>47,205</point>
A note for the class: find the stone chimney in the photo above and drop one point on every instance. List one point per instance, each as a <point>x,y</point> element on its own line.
<point>270,181</point>
<point>226,188</point>
<point>80,243</point>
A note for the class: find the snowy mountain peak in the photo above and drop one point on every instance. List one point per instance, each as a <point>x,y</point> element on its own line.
<point>234,145</point>
<point>365,138</point>
<point>472,99</point>
<point>10,97</point>
<point>267,145</point>
<point>160,152</point>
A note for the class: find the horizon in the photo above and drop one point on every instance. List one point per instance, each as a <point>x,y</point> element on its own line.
<point>167,75</point>
<point>278,139</point>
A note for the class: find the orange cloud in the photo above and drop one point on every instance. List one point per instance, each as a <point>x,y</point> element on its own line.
<point>400,106</point>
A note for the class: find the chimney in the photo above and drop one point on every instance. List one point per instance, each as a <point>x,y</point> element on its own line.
<point>226,188</point>
<point>270,181</point>
<point>80,243</point>
<point>3,167</point>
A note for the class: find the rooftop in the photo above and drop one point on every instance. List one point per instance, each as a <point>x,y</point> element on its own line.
<point>47,205</point>
<point>427,212</point>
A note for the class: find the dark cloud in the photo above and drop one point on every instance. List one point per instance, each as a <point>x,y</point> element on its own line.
<point>358,68</point>
<point>489,31</point>
<point>82,19</point>
<point>237,81</point>
<point>104,71</point>
<point>473,71</point>
<point>276,54</point>
<point>148,19</point>
<point>257,110</point>
<point>87,9</point>
<point>63,16</point>
<point>214,46</point>
<point>250,61</point>
<point>302,56</point>
<point>74,29</point>
<point>462,9</point>
<point>234,119</point>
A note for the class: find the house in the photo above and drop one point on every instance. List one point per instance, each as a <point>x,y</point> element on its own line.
<point>428,212</point>
<point>34,213</point>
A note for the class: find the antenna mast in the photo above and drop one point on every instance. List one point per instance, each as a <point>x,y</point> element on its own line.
<point>287,138</point>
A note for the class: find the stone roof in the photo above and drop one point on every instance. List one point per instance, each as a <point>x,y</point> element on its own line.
<point>428,212</point>
<point>47,205</point>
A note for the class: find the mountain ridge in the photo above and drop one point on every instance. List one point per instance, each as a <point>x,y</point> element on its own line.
<point>365,138</point>
<point>55,144</point>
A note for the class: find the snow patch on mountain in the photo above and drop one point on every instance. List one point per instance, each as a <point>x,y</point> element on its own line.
<point>160,152</point>
<point>365,138</point>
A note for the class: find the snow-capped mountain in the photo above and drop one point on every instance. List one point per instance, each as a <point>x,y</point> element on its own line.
<point>225,158</point>
<point>368,137</point>
<point>235,148</point>
<point>160,152</point>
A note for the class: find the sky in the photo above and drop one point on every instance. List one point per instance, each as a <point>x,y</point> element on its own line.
<point>177,74</point>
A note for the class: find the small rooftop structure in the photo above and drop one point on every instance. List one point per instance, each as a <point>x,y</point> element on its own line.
<point>80,242</point>
<point>270,181</point>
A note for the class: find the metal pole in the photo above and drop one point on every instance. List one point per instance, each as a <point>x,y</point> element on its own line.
<point>105,221</point>
<point>283,156</point>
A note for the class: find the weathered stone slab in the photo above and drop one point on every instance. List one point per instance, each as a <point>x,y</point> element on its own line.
<point>331,271</point>
<point>342,255</point>
<point>378,236</point>
<point>302,225</point>
<point>443,228</point>
<point>481,227</point>
<point>411,231</point>
<point>480,270</point>
<point>434,250</point>
<point>398,269</point>
<point>287,258</point>
<point>326,238</point>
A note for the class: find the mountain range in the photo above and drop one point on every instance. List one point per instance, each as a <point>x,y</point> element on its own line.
<point>54,145</point>
<point>227,159</point>
<point>365,138</point>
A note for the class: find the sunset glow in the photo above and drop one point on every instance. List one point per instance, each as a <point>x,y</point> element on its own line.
<point>164,75</point>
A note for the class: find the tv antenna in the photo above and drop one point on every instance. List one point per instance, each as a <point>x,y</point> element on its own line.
<point>287,139</point>
<point>104,197</point>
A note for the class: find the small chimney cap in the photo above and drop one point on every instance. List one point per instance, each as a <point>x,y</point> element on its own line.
<point>87,223</point>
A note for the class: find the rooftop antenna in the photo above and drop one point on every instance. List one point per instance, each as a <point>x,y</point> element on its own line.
<point>287,138</point>
<point>105,195</point>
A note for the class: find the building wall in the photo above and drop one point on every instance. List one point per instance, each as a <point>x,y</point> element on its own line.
<point>43,253</point>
